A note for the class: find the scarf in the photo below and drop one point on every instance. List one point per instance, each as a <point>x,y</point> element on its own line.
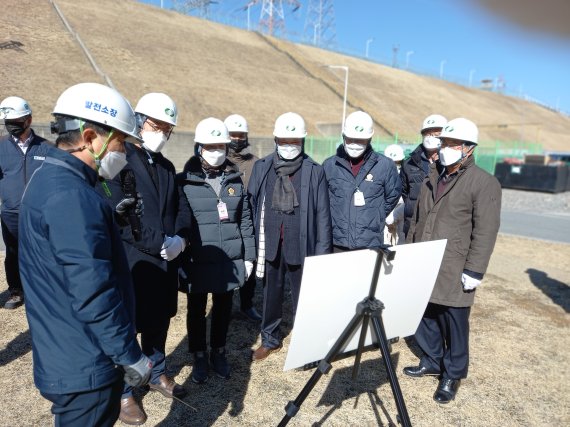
<point>284,196</point>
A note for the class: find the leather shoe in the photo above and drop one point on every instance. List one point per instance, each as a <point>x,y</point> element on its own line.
<point>252,314</point>
<point>420,371</point>
<point>168,387</point>
<point>131,412</point>
<point>262,352</point>
<point>15,301</point>
<point>446,390</point>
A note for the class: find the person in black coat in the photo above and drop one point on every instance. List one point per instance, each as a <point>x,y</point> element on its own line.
<point>416,168</point>
<point>152,253</point>
<point>290,202</point>
<point>220,255</point>
<point>21,153</point>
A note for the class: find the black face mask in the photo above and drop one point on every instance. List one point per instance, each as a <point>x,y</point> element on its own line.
<point>236,145</point>
<point>16,129</point>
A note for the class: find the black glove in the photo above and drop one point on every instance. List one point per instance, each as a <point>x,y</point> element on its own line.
<point>138,374</point>
<point>130,204</point>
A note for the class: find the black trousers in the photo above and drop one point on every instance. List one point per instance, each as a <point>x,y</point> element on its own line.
<point>277,273</point>
<point>443,336</point>
<point>196,320</point>
<point>9,223</point>
<point>97,408</point>
<point>153,345</point>
<point>247,291</point>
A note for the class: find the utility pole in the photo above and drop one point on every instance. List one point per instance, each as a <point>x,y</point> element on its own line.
<point>441,64</point>
<point>368,44</point>
<point>471,77</point>
<point>408,54</point>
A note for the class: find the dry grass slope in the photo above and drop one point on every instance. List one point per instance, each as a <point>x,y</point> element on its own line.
<point>213,70</point>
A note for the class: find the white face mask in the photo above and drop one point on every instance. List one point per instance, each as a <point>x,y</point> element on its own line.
<point>289,151</point>
<point>153,141</point>
<point>431,142</point>
<point>112,164</point>
<point>354,150</point>
<point>214,157</point>
<point>449,156</point>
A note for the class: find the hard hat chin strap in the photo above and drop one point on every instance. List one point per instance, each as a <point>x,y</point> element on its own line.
<point>97,157</point>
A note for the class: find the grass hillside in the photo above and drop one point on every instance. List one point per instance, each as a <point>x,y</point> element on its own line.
<point>214,70</point>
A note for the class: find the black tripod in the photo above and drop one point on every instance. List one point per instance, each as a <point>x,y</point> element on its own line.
<point>368,309</point>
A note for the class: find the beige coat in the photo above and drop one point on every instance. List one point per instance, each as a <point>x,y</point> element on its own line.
<point>467,214</point>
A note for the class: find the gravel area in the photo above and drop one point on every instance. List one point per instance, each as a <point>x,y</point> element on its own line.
<point>532,201</point>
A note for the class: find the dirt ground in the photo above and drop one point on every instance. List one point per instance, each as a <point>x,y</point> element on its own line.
<point>518,372</point>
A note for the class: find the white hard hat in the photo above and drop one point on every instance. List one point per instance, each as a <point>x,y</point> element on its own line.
<point>434,121</point>
<point>461,129</point>
<point>394,152</point>
<point>100,104</point>
<point>14,107</point>
<point>236,123</point>
<point>211,131</point>
<point>358,125</point>
<point>158,106</point>
<point>290,125</point>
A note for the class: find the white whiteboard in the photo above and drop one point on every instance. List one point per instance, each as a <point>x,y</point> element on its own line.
<point>334,284</point>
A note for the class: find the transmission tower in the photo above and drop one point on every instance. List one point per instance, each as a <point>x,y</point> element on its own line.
<point>272,17</point>
<point>319,24</point>
<point>188,6</point>
<point>395,50</point>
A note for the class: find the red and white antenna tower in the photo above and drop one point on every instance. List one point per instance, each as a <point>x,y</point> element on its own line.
<point>272,17</point>
<point>320,25</point>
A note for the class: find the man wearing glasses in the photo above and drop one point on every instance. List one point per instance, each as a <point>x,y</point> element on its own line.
<point>152,253</point>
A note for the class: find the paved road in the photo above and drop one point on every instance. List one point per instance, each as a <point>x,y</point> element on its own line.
<point>545,226</point>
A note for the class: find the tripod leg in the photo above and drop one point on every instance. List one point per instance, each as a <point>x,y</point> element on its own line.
<point>324,367</point>
<point>378,327</point>
<point>363,331</point>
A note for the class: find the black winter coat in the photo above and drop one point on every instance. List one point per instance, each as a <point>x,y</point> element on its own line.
<point>315,234</point>
<point>413,172</point>
<point>214,260</point>
<point>166,213</point>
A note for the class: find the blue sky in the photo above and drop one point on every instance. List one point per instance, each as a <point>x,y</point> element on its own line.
<point>460,32</point>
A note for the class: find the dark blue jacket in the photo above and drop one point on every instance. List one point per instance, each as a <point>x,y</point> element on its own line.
<point>315,234</point>
<point>155,279</point>
<point>16,169</point>
<point>214,260</point>
<point>79,295</point>
<point>414,171</point>
<point>356,227</point>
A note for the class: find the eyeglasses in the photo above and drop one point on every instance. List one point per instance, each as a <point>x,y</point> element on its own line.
<point>162,127</point>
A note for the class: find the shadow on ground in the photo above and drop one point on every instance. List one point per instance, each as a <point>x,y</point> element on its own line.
<point>217,395</point>
<point>16,348</point>
<point>342,387</point>
<point>557,291</point>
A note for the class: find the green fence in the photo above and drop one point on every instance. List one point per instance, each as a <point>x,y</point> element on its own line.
<point>487,153</point>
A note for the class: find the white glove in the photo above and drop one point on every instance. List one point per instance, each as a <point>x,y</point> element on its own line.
<point>469,283</point>
<point>248,269</point>
<point>172,247</point>
<point>138,374</point>
<point>390,218</point>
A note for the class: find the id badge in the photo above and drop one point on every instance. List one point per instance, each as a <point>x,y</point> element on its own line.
<point>359,198</point>
<point>223,211</point>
